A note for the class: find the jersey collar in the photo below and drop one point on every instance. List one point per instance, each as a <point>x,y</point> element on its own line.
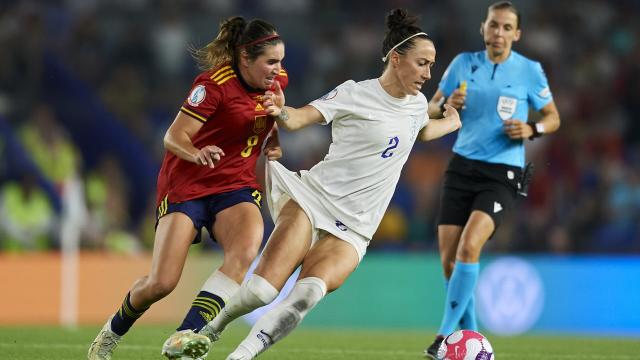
<point>244,83</point>
<point>488,61</point>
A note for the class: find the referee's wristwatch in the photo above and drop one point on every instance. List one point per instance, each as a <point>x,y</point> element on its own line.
<point>538,129</point>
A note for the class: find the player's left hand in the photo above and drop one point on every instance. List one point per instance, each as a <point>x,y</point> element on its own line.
<point>516,129</point>
<point>272,149</point>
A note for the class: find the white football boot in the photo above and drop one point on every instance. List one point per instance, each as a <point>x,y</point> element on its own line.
<point>102,347</point>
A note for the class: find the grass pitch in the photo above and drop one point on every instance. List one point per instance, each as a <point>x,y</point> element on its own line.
<point>144,342</point>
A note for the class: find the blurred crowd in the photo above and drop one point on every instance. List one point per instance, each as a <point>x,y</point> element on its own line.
<point>132,57</point>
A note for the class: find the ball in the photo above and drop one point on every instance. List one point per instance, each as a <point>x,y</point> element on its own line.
<point>465,345</point>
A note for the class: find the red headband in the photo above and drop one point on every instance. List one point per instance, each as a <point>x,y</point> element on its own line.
<point>262,39</point>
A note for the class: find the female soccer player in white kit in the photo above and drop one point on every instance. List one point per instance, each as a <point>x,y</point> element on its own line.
<point>325,217</point>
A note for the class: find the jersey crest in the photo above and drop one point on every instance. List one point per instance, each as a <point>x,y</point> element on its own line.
<point>506,107</point>
<point>260,124</point>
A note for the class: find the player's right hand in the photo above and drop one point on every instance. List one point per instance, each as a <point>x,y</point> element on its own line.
<point>274,100</point>
<point>208,156</point>
<point>457,98</point>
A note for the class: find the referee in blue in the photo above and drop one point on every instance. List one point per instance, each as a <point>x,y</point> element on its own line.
<point>493,89</point>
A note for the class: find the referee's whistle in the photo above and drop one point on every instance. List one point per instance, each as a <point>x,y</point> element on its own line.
<point>463,88</point>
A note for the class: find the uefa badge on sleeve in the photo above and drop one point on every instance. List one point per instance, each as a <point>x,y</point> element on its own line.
<point>197,95</point>
<point>506,107</point>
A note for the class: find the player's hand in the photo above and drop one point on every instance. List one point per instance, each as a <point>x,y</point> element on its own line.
<point>209,155</point>
<point>273,100</point>
<point>457,98</point>
<point>516,129</point>
<point>272,149</point>
<point>451,114</point>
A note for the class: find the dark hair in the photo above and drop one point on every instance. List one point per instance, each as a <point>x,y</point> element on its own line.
<point>235,34</point>
<point>400,26</point>
<point>508,5</point>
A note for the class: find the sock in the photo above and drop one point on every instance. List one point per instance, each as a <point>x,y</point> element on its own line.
<point>254,293</point>
<point>282,319</point>
<point>468,320</point>
<point>460,290</point>
<point>209,301</point>
<point>125,317</point>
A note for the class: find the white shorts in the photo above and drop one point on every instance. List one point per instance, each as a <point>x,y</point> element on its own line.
<point>282,185</point>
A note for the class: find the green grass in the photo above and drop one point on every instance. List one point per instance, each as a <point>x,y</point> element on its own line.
<point>144,342</point>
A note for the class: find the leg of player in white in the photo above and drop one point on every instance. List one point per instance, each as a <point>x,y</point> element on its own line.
<point>325,267</point>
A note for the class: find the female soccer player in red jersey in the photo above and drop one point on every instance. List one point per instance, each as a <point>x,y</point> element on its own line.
<point>208,180</point>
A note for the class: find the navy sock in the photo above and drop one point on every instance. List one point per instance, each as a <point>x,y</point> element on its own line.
<point>204,308</point>
<point>125,317</point>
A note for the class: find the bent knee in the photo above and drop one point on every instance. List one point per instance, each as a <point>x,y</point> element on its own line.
<point>468,253</point>
<point>159,288</point>
<point>259,292</point>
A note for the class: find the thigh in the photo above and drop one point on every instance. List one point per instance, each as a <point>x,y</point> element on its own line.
<point>475,234</point>
<point>287,246</point>
<point>332,260</point>
<point>239,228</point>
<point>174,234</point>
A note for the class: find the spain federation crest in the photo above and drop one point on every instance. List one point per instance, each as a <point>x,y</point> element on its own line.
<point>260,124</point>
<point>506,107</point>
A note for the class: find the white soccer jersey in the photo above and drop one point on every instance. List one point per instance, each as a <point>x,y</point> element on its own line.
<point>372,136</point>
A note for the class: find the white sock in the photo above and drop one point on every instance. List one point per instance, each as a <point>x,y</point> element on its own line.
<point>221,285</point>
<point>254,293</point>
<point>282,319</point>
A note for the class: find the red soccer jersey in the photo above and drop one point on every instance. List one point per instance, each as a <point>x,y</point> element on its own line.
<point>235,121</point>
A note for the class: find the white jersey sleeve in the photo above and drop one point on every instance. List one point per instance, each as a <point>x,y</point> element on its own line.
<point>337,103</point>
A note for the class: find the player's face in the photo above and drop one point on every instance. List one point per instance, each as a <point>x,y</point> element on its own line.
<point>263,70</point>
<point>500,30</point>
<point>414,67</point>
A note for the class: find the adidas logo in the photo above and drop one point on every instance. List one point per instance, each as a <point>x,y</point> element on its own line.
<point>496,207</point>
<point>206,315</point>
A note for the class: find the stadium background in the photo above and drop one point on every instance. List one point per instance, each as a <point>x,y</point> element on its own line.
<point>88,87</point>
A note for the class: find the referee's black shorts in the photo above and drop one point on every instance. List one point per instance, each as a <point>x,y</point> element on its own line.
<point>477,185</point>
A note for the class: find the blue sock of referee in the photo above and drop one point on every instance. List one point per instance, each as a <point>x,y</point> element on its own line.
<point>468,320</point>
<point>460,290</point>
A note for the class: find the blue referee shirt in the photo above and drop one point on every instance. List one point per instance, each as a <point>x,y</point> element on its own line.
<point>495,92</point>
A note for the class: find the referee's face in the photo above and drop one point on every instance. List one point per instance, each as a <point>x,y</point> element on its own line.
<point>414,67</point>
<point>500,30</point>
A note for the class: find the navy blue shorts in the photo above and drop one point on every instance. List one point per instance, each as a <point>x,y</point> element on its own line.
<point>202,211</point>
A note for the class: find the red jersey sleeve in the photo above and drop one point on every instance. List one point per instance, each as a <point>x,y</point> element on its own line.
<point>205,96</point>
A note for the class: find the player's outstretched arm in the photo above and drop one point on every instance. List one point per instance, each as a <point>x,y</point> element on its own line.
<point>287,117</point>
<point>437,128</point>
